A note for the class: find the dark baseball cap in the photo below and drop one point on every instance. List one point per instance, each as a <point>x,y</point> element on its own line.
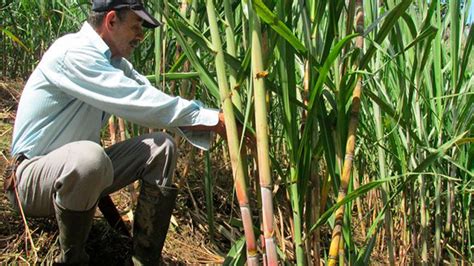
<point>135,5</point>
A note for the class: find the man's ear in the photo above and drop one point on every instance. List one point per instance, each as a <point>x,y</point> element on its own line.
<point>110,19</point>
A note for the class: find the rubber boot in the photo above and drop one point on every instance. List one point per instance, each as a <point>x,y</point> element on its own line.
<point>152,218</point>
<point>74,228</point>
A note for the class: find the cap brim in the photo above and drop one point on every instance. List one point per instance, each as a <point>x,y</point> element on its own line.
<point>148,20</point>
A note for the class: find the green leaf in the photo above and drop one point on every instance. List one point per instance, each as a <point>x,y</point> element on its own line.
<point>14,38</point>
<point>387,26</point>
<point>432,157</point>
<point>174,76</point>
<point>277,25</point>
<point>236,255</point>
<point>206,77</point>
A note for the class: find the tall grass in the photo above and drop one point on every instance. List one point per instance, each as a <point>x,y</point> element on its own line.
<point>408,193</point>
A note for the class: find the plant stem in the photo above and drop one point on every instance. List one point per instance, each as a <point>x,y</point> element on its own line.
<point>350,144</point>
<point>232,137</point>
<point>261,127</point>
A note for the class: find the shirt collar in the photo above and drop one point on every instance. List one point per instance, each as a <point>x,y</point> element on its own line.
<point>95,39</point>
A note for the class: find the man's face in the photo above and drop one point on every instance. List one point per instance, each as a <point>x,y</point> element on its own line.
<point>126,34</point>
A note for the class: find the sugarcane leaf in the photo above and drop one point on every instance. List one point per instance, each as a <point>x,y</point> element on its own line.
<point>433,156</point>
<point>174,76</point>
<point>324,70</point>
<point>335,9</point>
<point>349,197</point>
<point>14,38</point>
<point>273,88</point>
<point>375,24</point>
<point>236,255</point>
<point>202,42</point>
<point>316,90</point>
<point>326,140</point>
<point>437,153</point>
<point>204,74</point>
<point>277,25</point>
<point>306,26</point>
<point>466,56</point>
<point>364,255</point>
<point>179,62</point>
<point>198,36</point>
<point>244,70</point>
<point>428,33</point>
<point>387,26</point>
<point>392,113</point>
<point>454,8</point>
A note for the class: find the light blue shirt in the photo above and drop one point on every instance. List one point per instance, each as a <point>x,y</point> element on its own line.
<point>76,86</point>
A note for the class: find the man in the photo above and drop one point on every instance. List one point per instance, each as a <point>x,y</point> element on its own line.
<point>82,79</point>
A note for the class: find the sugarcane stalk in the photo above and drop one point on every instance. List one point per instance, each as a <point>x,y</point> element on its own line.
<point>350,144</point>
<point>385,192</point>
<point>184,88</point>
<point>297,219</point>
<point>158,32</point>
<point>232,137</point>
<point>437,62</point>
<point>121,123</point>
<point>261,127</point>
<point>291,126</point>
<point>437,253</point>
<point>208,185</point>
<point>231,50</point>
<point>423,221</point>
<point>359,205</point>
<point>313,249</point>
<point>112,130</point>
<point>4,54</point>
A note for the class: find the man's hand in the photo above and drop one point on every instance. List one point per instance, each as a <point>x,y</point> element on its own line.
<point>220,128</point>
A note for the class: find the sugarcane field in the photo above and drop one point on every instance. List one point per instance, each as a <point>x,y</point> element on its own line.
<point>259,132</point>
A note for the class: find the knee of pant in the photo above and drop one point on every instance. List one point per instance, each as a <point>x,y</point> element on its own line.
<point>165,143</point>
<point>93,166</point>
<point>88,172</point>
<point>164,154</point>
<point>171,146</point>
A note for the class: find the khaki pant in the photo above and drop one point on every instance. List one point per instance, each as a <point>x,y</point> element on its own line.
<point>79,173</point>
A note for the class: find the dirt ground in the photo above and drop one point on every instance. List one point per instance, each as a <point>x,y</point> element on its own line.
<point>188,238</point>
